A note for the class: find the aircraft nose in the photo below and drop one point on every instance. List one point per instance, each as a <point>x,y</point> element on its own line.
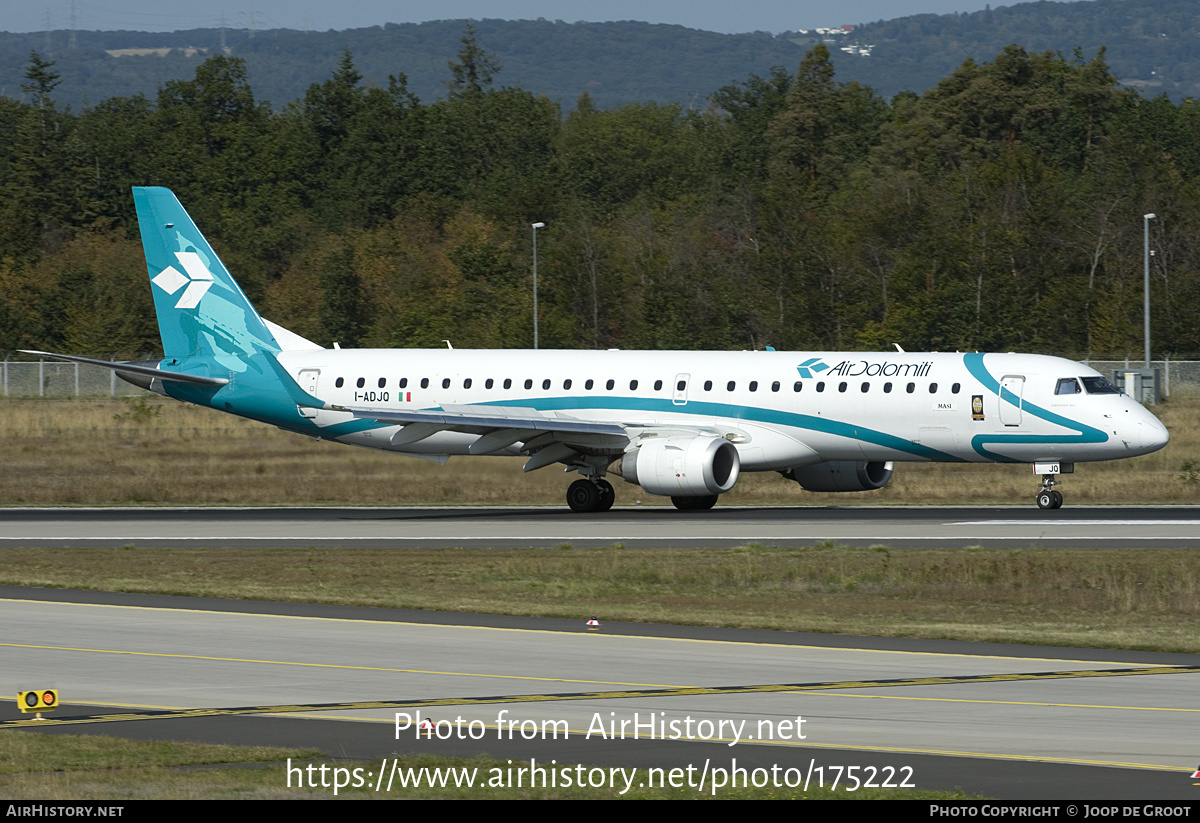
<point>1152,433</point>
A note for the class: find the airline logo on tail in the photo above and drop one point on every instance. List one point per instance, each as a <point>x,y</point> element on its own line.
<point>198,279</point>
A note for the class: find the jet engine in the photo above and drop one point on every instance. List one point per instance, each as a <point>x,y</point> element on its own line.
<point>683,466</point>
<point>842,476</point>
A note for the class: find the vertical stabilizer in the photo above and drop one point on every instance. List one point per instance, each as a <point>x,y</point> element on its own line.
<point>201,310</point>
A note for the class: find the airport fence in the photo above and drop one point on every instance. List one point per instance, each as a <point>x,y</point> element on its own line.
<point>1180,378</point>
<point>56,379</point>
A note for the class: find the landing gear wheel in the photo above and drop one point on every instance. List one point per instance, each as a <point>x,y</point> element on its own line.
<point>1048,497</point>
<point>608,495</point>
<point>584,496</point>
<point>693,504</point>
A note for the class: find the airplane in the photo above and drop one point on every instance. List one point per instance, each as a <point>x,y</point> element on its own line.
<point>679,424</point>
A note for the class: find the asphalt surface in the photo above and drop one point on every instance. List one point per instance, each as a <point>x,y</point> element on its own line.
<point>1007,722</point>
<point>636,527</point>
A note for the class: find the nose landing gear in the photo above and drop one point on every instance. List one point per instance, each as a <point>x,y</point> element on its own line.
<point>1048,497</point>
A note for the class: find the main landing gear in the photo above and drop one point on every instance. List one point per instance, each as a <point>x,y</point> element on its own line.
<point>588,495</point>
<point>1048,497</point>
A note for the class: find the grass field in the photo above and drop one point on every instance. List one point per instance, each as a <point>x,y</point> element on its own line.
<point>73,767</point>
<point>159,452</point>
<point>1142,599</point>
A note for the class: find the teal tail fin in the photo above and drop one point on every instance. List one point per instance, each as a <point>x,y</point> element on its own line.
<point>201,310</point>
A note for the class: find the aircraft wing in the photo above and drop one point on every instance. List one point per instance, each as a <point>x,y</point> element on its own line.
<point>548,439</point>
<point>490,417</point>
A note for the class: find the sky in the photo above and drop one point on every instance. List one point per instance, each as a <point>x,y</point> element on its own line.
<point>711,15</point>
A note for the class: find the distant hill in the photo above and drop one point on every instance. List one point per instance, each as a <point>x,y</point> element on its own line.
<point>1152,44</point>
<point>615,62</point>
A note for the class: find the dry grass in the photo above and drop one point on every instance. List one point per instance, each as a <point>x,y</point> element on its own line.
<point>1134,599</point>
<point>159,452</point>
<point>69,767</point>
<point>32,753</point>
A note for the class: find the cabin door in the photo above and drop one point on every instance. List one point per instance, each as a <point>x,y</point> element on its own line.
<point>1012,386</point>
<point>679,395</point>
<point>308,382</point>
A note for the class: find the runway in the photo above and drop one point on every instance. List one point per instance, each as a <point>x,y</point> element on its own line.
<point>1004,721</point>
<point>636,527</point>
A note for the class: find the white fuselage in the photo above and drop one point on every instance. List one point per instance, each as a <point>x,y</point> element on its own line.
<point>780,409</point>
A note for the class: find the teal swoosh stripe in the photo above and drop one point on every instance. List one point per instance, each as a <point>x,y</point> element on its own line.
<point>724,410</point>
<point>1087,434</point>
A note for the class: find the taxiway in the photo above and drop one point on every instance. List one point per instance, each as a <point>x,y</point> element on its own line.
<point>1003,721</point>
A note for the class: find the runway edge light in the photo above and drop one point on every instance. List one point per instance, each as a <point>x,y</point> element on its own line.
<point>593,624</point>
<point>37,700</point>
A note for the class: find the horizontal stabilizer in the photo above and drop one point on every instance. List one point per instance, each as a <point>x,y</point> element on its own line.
<point>133,368</point>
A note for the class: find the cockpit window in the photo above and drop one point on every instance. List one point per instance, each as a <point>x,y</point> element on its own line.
<point>1098,385</point>
<point>1067,385</point>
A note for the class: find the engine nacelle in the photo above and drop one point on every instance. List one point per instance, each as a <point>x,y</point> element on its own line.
<point>683,466</point>
<point>842,476</point>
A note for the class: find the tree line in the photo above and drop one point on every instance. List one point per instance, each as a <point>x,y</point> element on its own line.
<point>1000,210</point>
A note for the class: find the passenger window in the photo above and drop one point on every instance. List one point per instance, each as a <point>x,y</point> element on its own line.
<point>821,386</point>
<point>528,383</point>
<point>933,388</point>
<point>362,381</point>
<point>633,385</point>
<point>708,385</point>
<point>681,385</point>
<point>403,382</point>
<point>954,388</point>
<point>797,386</point>
<point>866,387</point>
<point>341,381</point>
<point>487,384</point>
<point>658,385</point>
<point>546,384</point>
<point>567,384</point>
<point>424,382</point>
<point>775,386</point>
<point>508,382</point>
<point>588,385</point>
<point>445,382</point>
<point>609,385</point>
<point>912,387</point>
<point>730,385</point>
<point>841,386</point>
<point>467,383</point>
<point>382,382</point>
<point>753,385</point>
<point>887,388</point>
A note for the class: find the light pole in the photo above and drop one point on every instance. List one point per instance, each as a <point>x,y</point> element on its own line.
<point>537,226</point>
<point>1146,218</point>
